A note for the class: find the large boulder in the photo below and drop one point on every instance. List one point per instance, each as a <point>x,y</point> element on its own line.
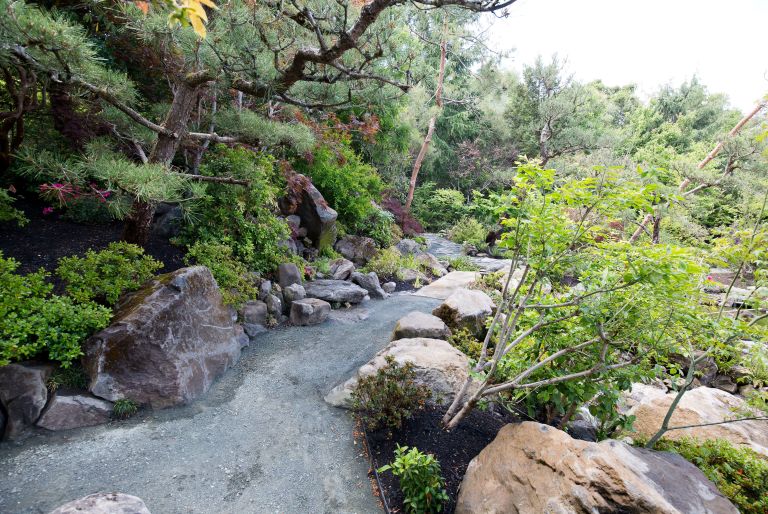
<point>358,249</point>
<point>370,282</point>
<point>466,308</point>
<point>315,213</point>
<point>288,274</point>
<point>104,503</point>
<point>341,269</point>
<point>437,364</point>
<point>531,467</point>
<point>23,395</point>
<point>700,405</point>
<point>309,311</point>
<point>167,343</point>
<point>335,291</point>
<point>420,324</point>
<point>445,286</point>
<point>73,410</point>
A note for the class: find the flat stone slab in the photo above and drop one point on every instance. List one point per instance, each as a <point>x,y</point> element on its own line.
<point>444,287</point>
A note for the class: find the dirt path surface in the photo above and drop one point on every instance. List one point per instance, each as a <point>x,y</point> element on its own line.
<point>261,440</point>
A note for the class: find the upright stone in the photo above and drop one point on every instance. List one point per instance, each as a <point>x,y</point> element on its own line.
<point>466,308</point>
<point>420,324</point>
<point>288,274</point>
<point>370,282</point>
<point>23,395</point>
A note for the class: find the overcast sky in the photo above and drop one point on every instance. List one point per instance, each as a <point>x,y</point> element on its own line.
<point>649,42</point>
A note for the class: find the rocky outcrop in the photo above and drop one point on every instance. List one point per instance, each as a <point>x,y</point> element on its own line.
<point>437,364</point>
<point>167,343</point>
<point>316,215</point>
<point>23,395</point>
<point>255,312</point>
<point>104,503</point>
<point>309,311</point>
<point>341,269</point>
<point>358,249</point>
<point>72,410</point>
<point>531,467</point>
<point>288,274</point>
<point>370,282</point>
<point>420,324</point>
<point>466,308</point>
<point>700,405</point>
<point>335,291</point>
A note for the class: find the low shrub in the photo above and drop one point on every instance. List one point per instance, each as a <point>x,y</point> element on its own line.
<point>231,275</point>
<point>741,474</point>
<point>462,263</point>
<point>34,322</point>
<point>388,263</point>
<point>468,231</point>
<point>381,227</point>
<point>438,209</point>
<point>74,377</point>
<point>104,275</point>
<point>390,396</point>
<point>124,408</point>
<point>421,480</point>
<point>464,341</point>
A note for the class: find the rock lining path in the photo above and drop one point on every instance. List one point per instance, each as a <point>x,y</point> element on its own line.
<point>261,440</point>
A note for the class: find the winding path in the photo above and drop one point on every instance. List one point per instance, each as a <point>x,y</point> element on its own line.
<point>261,440</point>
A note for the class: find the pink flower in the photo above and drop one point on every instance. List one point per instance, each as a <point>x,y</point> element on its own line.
<point>47,211</point>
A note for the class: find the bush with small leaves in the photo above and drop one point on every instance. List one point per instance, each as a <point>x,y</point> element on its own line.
<point>124,408</point>
<point>464,341</point>
<point>390,396</point>
<point>421,480</point>
<point>462,263</point>
<point>468,231</point>
<point>73,377</point>
<point>231,275</point>
<point>105,275</point>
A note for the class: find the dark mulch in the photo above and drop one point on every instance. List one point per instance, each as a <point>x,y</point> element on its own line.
<point>454,450</point>
<point>47,238</point>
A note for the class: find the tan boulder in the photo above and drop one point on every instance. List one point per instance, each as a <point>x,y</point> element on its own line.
<point>534,468</point>
<point>700,405</point>
<point>420,324</point>
<point>466,308</point>
<point>437,364</point>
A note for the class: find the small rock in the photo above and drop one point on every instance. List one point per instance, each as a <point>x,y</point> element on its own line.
<point>288,274</point>
<point>431,263</point>
<point>420,324</point>
<point>70,410</point>
<point>309,311</point>
<point>292,293</point>
<point>369,282</point>
<point>255,312</point>
<point>265,289</point>
<point>389,287</point>
<point>274,306</point>
<point>23,395</point>
<point>357,249</point>
<point>253,330</point>
<point>409,247</point>
<point>341,269</point>
<point>293,221</point>
<point>413,277</point>
<point>104,503</point>
<point>725,383</point>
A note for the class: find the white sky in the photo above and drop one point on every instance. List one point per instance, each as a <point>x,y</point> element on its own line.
<point>648,42</point>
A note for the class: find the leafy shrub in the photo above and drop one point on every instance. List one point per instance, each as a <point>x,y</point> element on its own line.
<point>348,184</point>
<point>741,474</point>
<point>231,275</point>
<point>468,231</point>
<point>74,376</point>
<point>438,209</point>
<point>462,263</point>
<point>105,275</point>
<point>89,210</point>
<point>8,212</point>
<point>33,321</point>
<point>421,480</point>
<point>388,263</point>
<point>124,408</point>
<point>410,226</point>
<point>390,396</point>
<point>381,227</point>
<point>464,341</point>
<point>240,217</point>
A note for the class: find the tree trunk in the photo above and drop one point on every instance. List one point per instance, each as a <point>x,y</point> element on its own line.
<point>431,128</point>
<point>139,220</point>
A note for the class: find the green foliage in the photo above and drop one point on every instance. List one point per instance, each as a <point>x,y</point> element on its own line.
<point>389,263</point>
<point>8,212</point>
<point>468,231</point>
<point>462,263</point>
<point>35,322</point>
<point>421,480</point>
<point>438,209</point>
<point>741,474</point>
<point>390,396</point>
<point>124,408</point>
<point>464,341</point>
<point>233,278</point>
<point>105,275</point>
<point>73,377</point>
<point>381,227</point>
<point>241,217</point>
<point>256,129</point>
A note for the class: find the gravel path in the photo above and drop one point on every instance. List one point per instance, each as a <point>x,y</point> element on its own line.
<point>261,440</point>
<point>443,248</point>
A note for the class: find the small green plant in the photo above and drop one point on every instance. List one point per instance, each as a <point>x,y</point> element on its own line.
<point>388,262</point>
<point>741,474</point>
<point>468,344</point>
<point>462,263</point>
<point>124,408</point>
<point>438,209</point>
<point>73,377</point>
<point>468,231</point>
<point>105,275</point>
<point>231,275</point>
<point>421,480</point>
<point>381,227</point>
<point>390,396</point>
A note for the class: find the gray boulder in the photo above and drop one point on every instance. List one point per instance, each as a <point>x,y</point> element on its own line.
<point>167,343</point>
<point>430,262</point>
<point>466,308</point>
<point>265,289</point>
<point>104,503</point>
<point>389,287</point>
<point>274,306</point>
<point>315,213</point>
<point>335,291</point>
<point>409,247</point>
<point>288,274</point>
<point>725,383</point>
<point>420,324</point>
<point>369,282</point>
<point>412,277</point>
<point>358,249</point>
<point>254,312</point>
<point>706,367</point>
<point>253,330</point>
<point>309,311</point>
<point>71,410</point>
<point>293,293</point>
<point>341,269</point>
<point>23,395</point>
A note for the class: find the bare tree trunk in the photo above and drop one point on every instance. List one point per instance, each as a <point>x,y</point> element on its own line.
<point>431,128</point>
<point>139,220</point>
